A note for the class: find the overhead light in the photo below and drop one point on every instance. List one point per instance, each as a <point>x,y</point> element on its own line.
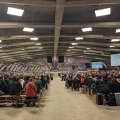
<point>0,47</point>
<point>0,41</point>
<point>68,50</point>
<point>88,48</point>
<point>40,48</point>
<point>84,51</point>
<point>79,38</point>
<point>28,29</point>
<point>103,12</point>
<point>117,30</point>
<point>86,29</point>
<point>74,43</point>
<point>15,11</point>
<point>115,40</point>
<point>23,49</point>
<point>71,47</point>
<point>38,44</point>
<point>33,38</point>
<point>111,46</point>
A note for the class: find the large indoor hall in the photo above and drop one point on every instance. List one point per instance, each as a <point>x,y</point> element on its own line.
<point>62,104</point>
<point>59,59</point>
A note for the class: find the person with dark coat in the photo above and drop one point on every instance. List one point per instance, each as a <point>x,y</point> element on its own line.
<point>114,86</point>
<point>103,86</point>
<point>14,86</point>
<point>43,80</point>
<point>4,85</point>
<point>89,81</point>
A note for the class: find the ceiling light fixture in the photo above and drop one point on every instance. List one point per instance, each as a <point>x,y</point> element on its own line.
<point>71,47</point>
<point>33,38</point>
<point>79,38</point>
<point>74,43</point>
<point>0,47</point>
<point>15,11</point>
<point>117,30</point>
<point>23,49</point>
<point>40,48</point>
<point>68,50</point>
<point>0,41</point>
<point>103,12</point>
<point>111,46</point>
<point>87,29</point>
<point>88,48</point>
<point>115,40</point>
<point>38,44</point>
<point>84,51</point>
<point>28,29</point>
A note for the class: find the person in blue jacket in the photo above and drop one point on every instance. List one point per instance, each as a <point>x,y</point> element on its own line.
<point>26,81</point>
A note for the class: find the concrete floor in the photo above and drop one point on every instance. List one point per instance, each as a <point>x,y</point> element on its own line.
<point>60,103</point>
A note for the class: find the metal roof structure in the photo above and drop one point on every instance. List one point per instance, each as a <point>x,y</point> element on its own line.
<point>57,23</point>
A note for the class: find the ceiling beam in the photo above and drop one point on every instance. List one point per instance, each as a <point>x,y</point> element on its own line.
<point>29,2</point>
<point>92,24</point>
<point>51,25</point>
<point>94,36</point>
<point>92,48</point>
<point>80,50</point>
<point>60,5</point>
<point>14,37</point>
<point>24,24</point>
<point>91,2</point>
<point>91,43</point>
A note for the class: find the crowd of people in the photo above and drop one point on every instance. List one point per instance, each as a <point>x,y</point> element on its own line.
<point>24,84</point>
<point>104,82</point>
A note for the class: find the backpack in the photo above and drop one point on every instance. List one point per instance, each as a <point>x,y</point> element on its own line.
<point>93,86</point>
<point>82,80</point>
<point>112,100</point>
<point>13,88</point>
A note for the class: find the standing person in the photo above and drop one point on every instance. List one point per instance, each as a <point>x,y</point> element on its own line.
<point>4,85</point>
<point>48,78</point>
<point>62,77</point>
<point>51,76</point>
<point>30,91</point>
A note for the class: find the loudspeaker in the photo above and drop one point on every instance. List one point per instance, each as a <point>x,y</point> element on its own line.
<point>73,67</point>
<point>87,65</point>
<point>49,59</point>
<point>61,59</point>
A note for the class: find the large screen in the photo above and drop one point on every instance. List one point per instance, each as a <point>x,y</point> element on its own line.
<point>97,65</point>
<point>115,60</point>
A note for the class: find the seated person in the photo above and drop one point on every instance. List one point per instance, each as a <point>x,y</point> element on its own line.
<point>14,86</point>
<point>38,84</point>
<point>4,85</point>
<point>30,91</point>
<point>26,81</point>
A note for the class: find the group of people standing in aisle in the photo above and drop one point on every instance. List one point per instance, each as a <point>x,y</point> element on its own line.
<point>24,84</point>
<point>99,82</point>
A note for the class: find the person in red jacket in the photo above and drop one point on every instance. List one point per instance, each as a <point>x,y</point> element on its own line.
<point>30,91</point>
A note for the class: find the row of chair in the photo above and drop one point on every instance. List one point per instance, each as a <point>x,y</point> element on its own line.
<point>21,98</point>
